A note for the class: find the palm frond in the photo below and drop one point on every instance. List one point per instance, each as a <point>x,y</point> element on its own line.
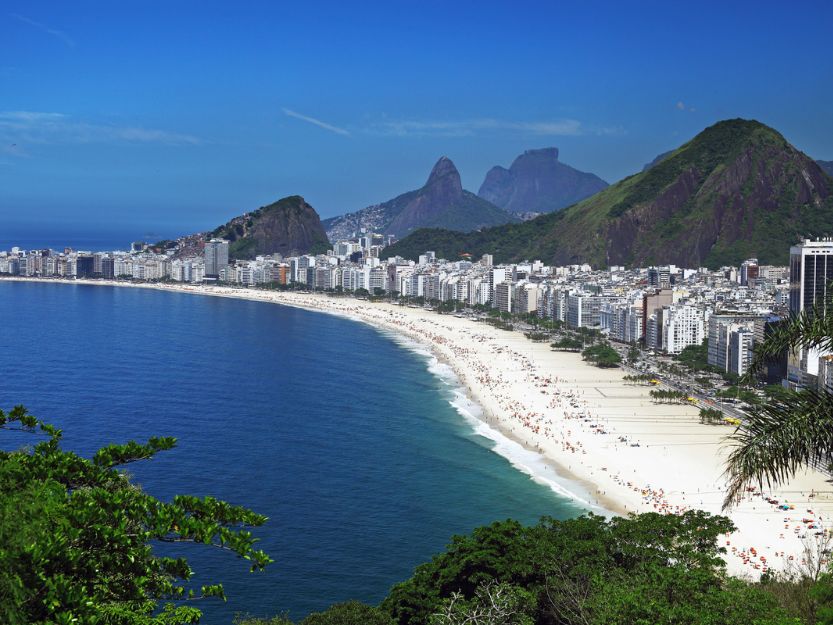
<point>812,328</point>
<point>777,439</point>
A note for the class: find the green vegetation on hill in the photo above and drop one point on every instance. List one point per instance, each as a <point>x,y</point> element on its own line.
<point>286,226</point>
<point>738,189</point>
<point>652,568</point>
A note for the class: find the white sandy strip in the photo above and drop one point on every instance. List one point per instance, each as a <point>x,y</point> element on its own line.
<point>587,422</point>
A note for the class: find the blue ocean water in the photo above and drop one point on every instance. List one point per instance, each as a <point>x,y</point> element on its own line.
<point>341,435</point>
<point>29,236</point>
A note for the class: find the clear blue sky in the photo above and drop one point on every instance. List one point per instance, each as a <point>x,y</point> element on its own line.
<point>177,115</point>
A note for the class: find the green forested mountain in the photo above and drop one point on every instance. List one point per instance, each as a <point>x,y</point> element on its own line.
<point>286,226</point>
<point>738,189</point>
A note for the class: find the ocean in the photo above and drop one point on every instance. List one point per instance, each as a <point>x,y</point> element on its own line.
<point>358,445</point>
<point>42,236</point>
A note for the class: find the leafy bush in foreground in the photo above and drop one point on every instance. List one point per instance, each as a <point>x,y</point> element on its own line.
<point>76,534</point>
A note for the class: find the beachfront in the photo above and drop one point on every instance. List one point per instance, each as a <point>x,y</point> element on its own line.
<point>627,453</point>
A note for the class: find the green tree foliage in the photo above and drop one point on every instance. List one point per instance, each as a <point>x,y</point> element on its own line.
<point>663,396</point>
<point>347,613</point>
<point>647,569</point>
<point>695,357</point>
<point>776,391</point>
<point>76,536</point>
<point>602,355</point>
<point>711,416</point>
<point>640,378</point>
<point>567,344</point>
<point>741,394</point>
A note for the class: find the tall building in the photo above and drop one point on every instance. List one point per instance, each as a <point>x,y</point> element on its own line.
<point>811,271</point>
<point>740,350</point>
<point>653,302</point>
<point>503,297</point>
<point>680,326</point>
<point>583,310</point>
<point>659,277</point>
<point>216,257</point>
<point>526,298</point>
<point>497,275</point>
<point>84,266</point>
<point>775,370</point>
<point>720,329</point>
<point>749,272</point>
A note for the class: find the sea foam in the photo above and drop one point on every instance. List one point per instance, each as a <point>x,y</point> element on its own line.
<point>527,461</point>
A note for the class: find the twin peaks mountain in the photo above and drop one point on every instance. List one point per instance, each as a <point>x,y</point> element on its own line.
<point>737,190</point>
<point>537,182</point>
<point>441,203</point>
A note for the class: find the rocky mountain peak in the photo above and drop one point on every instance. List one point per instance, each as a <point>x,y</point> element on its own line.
<point>548,153</point>
<point>287,226</point>
<point>443,185</point>
<point>537,182</point>
<point>445,175</point>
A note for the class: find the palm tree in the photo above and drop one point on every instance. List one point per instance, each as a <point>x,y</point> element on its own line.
<point>783,435</point>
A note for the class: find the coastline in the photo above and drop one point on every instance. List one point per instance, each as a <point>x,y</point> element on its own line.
<point>629,454</point>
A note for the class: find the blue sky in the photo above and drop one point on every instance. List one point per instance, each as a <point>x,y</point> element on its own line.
<point>174,116</point>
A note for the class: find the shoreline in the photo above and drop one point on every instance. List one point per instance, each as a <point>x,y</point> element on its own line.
<point>589,427</point>
<point>582,498</point>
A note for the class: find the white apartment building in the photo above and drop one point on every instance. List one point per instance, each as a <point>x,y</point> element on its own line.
<point>682,326</point>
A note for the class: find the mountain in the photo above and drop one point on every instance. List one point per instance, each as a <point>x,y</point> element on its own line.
<point>286,226</point>
<point>737,190</point>
<point>657,160</point>
<point>441,202</point>
<point>827,166</point>
<point>537,182</point>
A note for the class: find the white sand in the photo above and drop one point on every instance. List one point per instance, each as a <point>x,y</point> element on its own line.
<point>574,414</point>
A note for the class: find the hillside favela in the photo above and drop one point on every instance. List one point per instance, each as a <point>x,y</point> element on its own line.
<point>269,361</point>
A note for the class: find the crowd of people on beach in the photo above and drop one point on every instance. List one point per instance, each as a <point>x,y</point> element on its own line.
<point>552,414</point>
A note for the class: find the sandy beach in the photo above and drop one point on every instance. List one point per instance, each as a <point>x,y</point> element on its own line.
<point>625,453</point>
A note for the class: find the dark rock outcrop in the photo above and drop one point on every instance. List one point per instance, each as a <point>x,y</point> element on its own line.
<point>285,227</point>
<point>537,182</point>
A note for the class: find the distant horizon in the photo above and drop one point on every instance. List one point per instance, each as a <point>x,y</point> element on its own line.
<point>122,120</point>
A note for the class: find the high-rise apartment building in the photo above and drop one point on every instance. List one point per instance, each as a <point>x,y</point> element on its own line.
<point>811,273</point>
<point>659,277</point>
<point>216,257</point>
<point>503,297</point>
